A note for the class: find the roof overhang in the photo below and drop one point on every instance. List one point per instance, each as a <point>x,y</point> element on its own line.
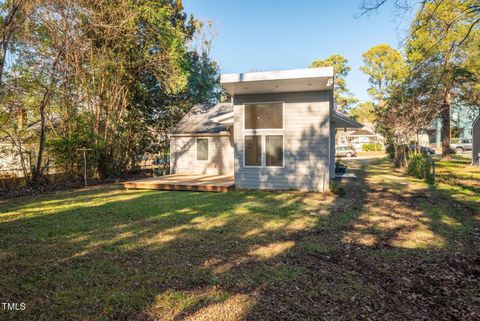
<point>476,120</point>
<point>226,119</point>
<point>343,121</point>
<point>222,133</point>
<point>296,80</point>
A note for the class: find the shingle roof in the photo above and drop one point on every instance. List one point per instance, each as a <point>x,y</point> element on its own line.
<point>199,119</point>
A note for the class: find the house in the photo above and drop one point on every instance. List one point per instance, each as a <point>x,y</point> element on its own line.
<point>476,142</point>
<point>278,131</point>
<point>462,118</point>
<point>364,136</point>
<point>10,156</point>
<point>9,160</point>
<point>358,137</point>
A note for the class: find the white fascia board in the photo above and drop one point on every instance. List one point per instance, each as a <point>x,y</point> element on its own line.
<point>322,72</point>
<point>223,118</point>
<point>227,122</point>
<point>224,133</point>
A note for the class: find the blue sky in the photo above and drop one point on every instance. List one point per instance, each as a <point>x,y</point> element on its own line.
<point>273,35</point>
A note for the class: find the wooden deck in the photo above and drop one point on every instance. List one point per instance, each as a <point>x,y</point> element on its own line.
<point>185,182</point>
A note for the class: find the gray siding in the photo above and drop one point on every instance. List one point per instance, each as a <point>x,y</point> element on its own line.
<point>476,141</point>
<point>332,150</point>
<point>306,141</point>
<point>220,155</point>
<point>332,137</point>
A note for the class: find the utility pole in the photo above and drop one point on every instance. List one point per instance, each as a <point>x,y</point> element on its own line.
<point>84,150</point>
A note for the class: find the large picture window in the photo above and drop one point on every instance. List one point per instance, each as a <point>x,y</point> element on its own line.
<point>274,150</point>
<point>253,150</point>
<point>264,116</point>
<point>202,149</point>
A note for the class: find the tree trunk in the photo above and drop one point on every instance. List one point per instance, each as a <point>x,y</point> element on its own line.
<point>446,127</point>
<point>3,55</point>
<point>7,30</point>
<point>38,170</point>
<point>37,173</point>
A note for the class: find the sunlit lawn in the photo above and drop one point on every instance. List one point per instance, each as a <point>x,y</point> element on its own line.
<point>392,248</point>
<point>458,177</point>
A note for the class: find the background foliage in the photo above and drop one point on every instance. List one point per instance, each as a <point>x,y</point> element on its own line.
<point>437,67</point>
<point>113,76</point>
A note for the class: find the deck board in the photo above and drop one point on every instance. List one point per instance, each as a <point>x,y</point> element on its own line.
<point>185,182</point>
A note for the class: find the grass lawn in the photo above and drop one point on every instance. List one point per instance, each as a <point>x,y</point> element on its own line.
<point>459,178</point>
<point>392,249</point>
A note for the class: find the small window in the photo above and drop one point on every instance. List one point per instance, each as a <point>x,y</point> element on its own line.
<point>274,150</point>
<point>264,116</point>
<point>202,149</point>
<point>253,150</point>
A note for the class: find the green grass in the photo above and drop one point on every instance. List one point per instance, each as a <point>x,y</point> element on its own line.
<point>459,178</point>
<point>112,254</point>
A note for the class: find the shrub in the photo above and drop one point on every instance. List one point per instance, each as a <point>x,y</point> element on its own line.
<point>372,147</point>
<point>390,151</point>
<point>337,190</point>
<point>421,166</point>
<point>340,164</point>
<point>340,168</point>
<point>398,153</point>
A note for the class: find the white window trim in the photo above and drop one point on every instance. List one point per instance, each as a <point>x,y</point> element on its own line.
<point>283,149</point>
<point>263,142</point>
<point>263,132</point>
<point>262,152</point>
<point>196,150</point>
<point>254,130</point>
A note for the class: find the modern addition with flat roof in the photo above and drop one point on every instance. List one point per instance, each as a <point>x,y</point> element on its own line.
<point>278,131</point>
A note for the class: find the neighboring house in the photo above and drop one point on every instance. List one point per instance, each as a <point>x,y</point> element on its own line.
<point>10,160</point>
<point>341,137</point>
<point>462,118</point>
<point>278,132</point>
<point>358,137</point>
<point>476,142</point>
<point>364,136</point>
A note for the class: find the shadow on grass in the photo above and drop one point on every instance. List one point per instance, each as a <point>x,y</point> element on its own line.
<point>384,251</point>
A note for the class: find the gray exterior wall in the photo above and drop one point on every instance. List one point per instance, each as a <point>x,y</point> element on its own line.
<point>476,142</point>
<point>333,129</point>
<point>332,150</point>
<point>183,151</point>
<point>306,143</point>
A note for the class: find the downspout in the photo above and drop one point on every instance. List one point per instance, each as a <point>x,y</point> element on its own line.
<point>232,135</point>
